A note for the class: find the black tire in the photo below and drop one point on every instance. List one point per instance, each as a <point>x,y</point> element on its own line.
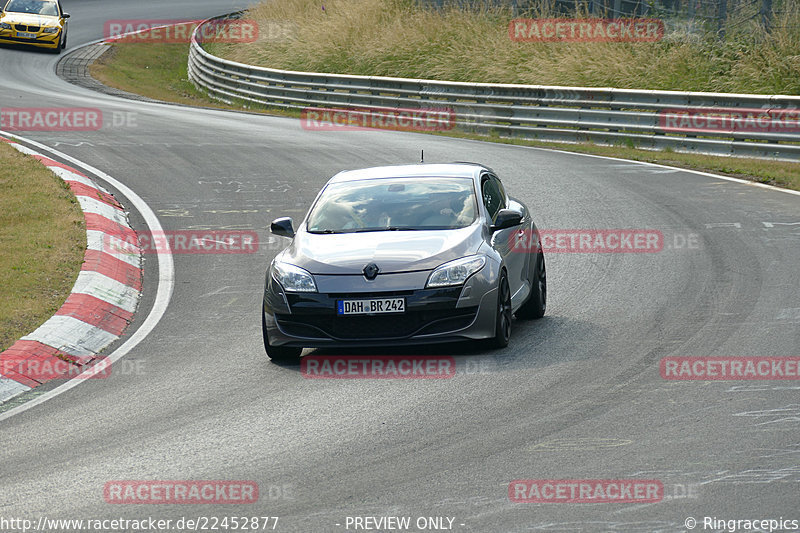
<point>279,354</point>
<point>502,323</point>
<point>536,305</point>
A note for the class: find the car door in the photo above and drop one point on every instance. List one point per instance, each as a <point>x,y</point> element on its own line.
<point>495,199</point>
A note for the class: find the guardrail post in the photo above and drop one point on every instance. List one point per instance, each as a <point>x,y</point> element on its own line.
<point>722,15</point>
<point>766,14</point>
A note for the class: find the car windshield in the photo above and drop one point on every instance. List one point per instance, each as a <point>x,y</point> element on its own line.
<point>394,204</point>
<point>36,7</point>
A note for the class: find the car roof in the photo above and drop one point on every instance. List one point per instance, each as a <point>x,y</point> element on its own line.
<point>420,170</point>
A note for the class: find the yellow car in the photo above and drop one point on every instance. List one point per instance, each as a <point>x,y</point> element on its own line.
<point>40,23</point>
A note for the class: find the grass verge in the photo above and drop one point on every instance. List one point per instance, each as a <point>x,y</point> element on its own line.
<point>42,243</point>
<point>160,71</point>
<point>457,43</point>
<point>154,70</point>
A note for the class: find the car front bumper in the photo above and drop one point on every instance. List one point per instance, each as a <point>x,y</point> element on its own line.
<point>42,40</point>
<point>448,314</point>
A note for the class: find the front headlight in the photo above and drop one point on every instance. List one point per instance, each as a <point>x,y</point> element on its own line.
<point>4,26</point>
<point>293,278</point>
<point>456,272</point>
<point>49,30</point>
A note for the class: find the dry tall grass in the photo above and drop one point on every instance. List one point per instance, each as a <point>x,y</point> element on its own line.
<point>398,38</point>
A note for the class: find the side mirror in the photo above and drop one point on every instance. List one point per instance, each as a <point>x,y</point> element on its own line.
<point>65,15</point>
<point>506,218</point>
<point>282,227</point>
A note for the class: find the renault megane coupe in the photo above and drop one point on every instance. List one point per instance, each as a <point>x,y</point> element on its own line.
<point>411,254</point>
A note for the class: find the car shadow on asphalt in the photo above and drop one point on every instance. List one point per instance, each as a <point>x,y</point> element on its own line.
<point>534,344</point>
<point>28,48</point>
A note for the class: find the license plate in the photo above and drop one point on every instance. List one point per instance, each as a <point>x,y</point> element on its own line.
<point>26,35</point>
<point>377,306</point>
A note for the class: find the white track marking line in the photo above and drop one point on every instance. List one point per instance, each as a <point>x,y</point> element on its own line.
<point>698,172</point>
<point>166,278</point>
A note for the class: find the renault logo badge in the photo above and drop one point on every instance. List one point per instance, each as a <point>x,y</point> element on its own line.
<point>371,271</point>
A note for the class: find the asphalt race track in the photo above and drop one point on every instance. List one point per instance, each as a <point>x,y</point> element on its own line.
<point>576,395</point>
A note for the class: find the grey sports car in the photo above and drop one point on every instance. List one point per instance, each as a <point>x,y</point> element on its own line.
<point>411,254</point>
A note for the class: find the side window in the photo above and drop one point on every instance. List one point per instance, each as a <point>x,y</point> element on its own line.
<point>493,196</point>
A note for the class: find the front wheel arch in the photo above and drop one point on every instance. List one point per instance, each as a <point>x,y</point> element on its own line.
<point>279,354</point>
<point>536,304</point>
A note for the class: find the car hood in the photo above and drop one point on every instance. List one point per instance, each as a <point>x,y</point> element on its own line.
<point>392,251</point>
<point>29,19</point>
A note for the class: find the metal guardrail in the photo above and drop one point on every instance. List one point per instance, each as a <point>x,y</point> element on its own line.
<point>562,114</point>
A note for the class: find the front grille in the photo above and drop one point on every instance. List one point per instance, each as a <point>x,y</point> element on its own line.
<point>377,326</point>
<point>23,27</point>
<point>382,294</point>
<point>27,41</point>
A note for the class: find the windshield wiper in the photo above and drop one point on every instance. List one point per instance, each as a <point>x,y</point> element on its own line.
<point>325,231</point>
<point>390,228</point>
